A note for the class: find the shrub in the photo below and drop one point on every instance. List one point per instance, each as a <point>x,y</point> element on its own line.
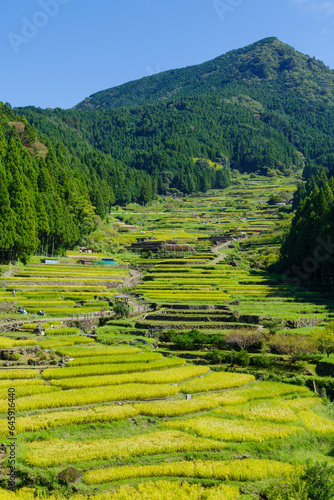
<point>194,339</point>
<point>241,358</point>
<point>262,361</point>
<point>15,356</point>
<point>121,310</point>
<point>244,340</point>
<point>315,483</point>
<point>215,357</point>
<point>319,481</point>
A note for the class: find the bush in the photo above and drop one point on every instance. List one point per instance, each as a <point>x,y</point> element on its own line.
<point>215,357</point>
<point>191,340</point>
<point>325,368</point>
<point>122,310</point>
<point>315,484</point>
<point>218,341</point>
<point>15,356</point>
<point>319,481</point>
<point>261,361</point>
<point>241,358</point>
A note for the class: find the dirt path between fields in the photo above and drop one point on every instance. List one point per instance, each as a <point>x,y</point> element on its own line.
<point>135,276</point>
<point>217,248</point>
<point>221,256</point>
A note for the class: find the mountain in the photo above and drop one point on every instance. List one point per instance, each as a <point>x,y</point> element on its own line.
<point>265,108</point>
<point>267,65</point>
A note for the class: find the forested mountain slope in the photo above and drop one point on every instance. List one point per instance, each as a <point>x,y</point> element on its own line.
<point>44,202</point>
<point>307,252</point>
<point>49,196</point>
<point>267,65</point>
<point>262,108</point>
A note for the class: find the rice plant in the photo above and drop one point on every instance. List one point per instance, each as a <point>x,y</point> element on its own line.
<point>57,419</point>
<point>59,451</point>
<point>274,411</point>
<point>216,381</point>
<point>118,358</point>
<point>168,376</point>
<point>80,371</point>
<point>80,397</point>
<point>233,430</point>
<point>244,470</point>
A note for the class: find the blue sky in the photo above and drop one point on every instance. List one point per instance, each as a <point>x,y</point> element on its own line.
<point>57,52</point>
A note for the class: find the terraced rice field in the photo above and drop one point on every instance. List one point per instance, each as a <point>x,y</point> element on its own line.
<point>215,420</point>
<point>62,290</point>
<point>134,421</point>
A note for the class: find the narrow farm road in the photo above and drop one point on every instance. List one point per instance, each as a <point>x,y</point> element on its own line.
<point>217,248</point>
<point>134,277</point>
<point>221,256</point>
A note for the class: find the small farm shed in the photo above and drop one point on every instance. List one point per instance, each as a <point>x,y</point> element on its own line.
<point>50,261</point>
<point>86,262</point>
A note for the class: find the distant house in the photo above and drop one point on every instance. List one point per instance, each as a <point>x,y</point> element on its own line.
<point>86,250</point>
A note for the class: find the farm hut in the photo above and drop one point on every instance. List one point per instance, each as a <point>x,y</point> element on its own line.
<point>50,261</point>
<point>122,298</point>
<point>86,262</point>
